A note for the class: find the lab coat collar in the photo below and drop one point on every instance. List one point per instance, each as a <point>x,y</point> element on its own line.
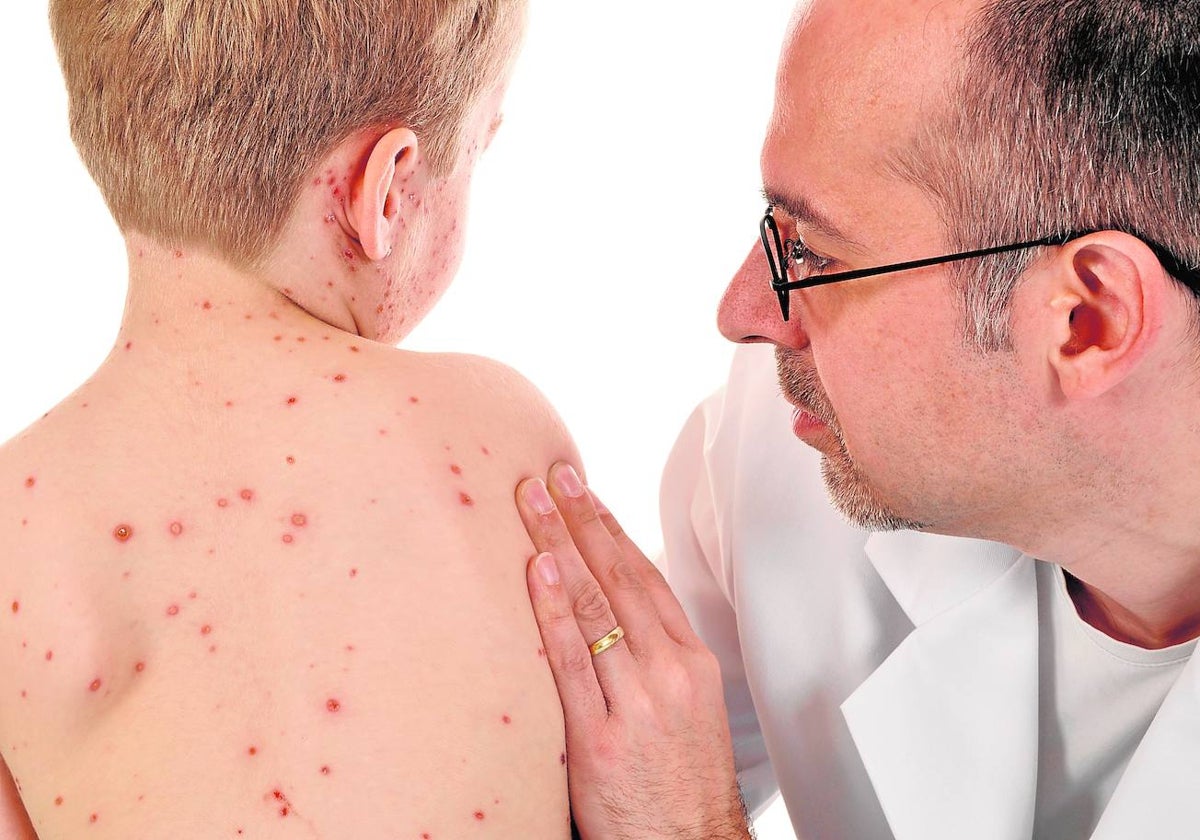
<point>947,726</point>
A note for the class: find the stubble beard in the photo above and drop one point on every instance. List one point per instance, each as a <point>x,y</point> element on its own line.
<point>849,489</point>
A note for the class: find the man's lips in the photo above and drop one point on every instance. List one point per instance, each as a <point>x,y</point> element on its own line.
<point>805,423</point>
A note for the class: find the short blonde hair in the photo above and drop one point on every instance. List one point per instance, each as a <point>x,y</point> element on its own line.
<point>200,120</point>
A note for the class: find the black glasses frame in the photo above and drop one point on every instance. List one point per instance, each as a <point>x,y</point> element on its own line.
<point>781,254</point>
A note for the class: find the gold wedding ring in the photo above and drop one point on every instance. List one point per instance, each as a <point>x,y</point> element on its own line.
<point>608,641</point>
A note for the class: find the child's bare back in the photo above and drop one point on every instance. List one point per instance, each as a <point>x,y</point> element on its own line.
<point>254,578</point>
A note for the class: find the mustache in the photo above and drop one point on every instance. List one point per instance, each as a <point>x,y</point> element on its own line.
<point>801,385</point>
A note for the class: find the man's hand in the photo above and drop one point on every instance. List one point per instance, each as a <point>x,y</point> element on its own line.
<point>648,748</point>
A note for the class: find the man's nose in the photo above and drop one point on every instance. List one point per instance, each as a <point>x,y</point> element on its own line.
<point>749,312</point>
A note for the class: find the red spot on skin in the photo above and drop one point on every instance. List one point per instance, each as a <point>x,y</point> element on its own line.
<point>426,836</point>
<point>138,668</point>
<point>206,629</point>
<point>383,432</point>
<point>128,345</point>
<point>348,254</point>
<point>379,309</point>
<point>479,815</point>
<point>456,469</point>
<point>325,770</point>
<point>58,800</point>
<point>330,181</point>
<point>288,538</point>
<point>485,451</point>
<point>413,400</point>
<point>341,377</point>
<point>16,607</point>
<point>247,494</point>
<point>354,573</point>
<point>207,305</point>
<point>253,751</point>
<point>299,520</point>
<point>332,705</point>
<point>95,686</point>
<point>542,653</point>
<point>93,818</point>
<point>179,255</point>
<point>316,182</point>
<point>290,460</point>
<point>191,596</point>
<point>228,403</point>
<point>291,401</point>
<point>49,655</point>
<point>353,349</point>
<point>466,500</point>
<point>330,219</point>
<point>222,503</point>
<point>562,758</point>
<point>301,339</point>
<point>29,482</point>
<point>506,720</point>
<point>176,529</point>
<point>279,797</point>
<point>279,338</point>
<point>173,610</point>
<point>122,533</point>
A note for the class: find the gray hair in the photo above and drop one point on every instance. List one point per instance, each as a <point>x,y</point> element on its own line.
<point>1066,115</point>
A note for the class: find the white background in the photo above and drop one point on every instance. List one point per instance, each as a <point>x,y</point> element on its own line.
<point>616,201</point>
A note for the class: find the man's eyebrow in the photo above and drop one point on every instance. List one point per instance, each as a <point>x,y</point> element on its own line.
<point>804,212</point>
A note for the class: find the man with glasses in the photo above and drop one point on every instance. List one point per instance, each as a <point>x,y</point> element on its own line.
<point>978,272</point>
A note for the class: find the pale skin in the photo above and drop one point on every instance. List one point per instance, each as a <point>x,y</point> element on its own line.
<point>261,574</point>
<point>1083,430</point>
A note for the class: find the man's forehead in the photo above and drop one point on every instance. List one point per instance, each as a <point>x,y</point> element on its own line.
<point>873,54</point>
<point>856,80</point>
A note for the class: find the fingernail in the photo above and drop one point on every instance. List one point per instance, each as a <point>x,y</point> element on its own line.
<point>547,569</point>
<point>538,496</point>
<point>567,481</point>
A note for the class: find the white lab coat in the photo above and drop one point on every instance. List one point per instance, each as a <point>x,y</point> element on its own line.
<point>886,684</point>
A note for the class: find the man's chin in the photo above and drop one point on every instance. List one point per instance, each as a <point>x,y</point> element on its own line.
<point>856,500</point>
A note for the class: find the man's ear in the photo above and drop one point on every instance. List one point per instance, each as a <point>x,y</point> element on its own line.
<point>1108,296</point>
<point>374,206</point>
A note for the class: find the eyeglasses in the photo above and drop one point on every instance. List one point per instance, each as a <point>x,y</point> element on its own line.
<point>793,256</point>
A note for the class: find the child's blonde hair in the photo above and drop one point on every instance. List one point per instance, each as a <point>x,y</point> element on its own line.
<point>201,119</point>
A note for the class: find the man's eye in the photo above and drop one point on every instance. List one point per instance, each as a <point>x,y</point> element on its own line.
<point>801,255</point>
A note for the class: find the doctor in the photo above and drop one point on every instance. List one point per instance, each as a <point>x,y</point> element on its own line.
<point>917,684</point>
